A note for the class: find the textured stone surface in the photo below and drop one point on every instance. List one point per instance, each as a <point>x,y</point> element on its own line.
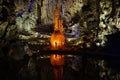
<point>68,9</point>
<point>27,20</point>
<point>3,28</point>
<point>0,8</point>
<point>1,1</point>
<point>94,18</point>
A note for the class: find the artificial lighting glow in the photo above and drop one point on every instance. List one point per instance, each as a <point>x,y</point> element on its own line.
<point>57,62</point>
<point>57,37</point>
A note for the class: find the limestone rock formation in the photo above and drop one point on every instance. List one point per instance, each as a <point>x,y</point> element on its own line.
<point>105,25</point>
<point>93,19</point>
<point>3,28</point>
<point>26,20</point>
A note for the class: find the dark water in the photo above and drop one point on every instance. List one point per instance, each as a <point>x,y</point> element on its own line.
<point>76,67</point>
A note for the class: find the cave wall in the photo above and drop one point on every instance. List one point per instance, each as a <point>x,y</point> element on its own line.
<point>67,8</point>
<point>9,43</point>
<point>94,18</point>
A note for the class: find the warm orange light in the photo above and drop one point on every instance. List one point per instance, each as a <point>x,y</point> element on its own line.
<point>56,19</point>
<point>57,37</point>
<point>57,60</point>
<point>57,40</point>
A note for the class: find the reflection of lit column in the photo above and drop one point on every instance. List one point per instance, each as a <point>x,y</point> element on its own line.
<point>58,73</point>
<point>57,62</point>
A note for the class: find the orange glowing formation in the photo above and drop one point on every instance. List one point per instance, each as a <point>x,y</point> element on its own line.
<point>57,37</point>
<point>57,61</point>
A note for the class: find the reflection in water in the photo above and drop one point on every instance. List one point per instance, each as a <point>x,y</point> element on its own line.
<point>57,62</point>
<point>57,42</point>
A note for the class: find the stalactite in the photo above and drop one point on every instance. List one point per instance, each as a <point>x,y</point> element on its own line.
<point>63,8</point>
<point>51,2</point>
<point>117,19</point>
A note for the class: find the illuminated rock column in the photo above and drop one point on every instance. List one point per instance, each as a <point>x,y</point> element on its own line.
<point>56,19</point>
<point>57,37</point>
